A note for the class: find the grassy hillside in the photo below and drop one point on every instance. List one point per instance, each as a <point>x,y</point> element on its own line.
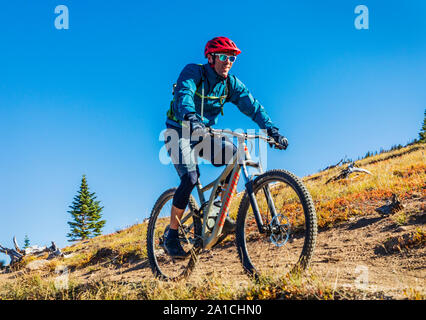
<point>91,263</point>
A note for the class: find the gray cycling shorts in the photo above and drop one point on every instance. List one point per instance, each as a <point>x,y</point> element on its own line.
<point>184,150</point>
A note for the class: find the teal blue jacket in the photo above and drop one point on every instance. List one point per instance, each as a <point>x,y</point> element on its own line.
<point>217,91</point>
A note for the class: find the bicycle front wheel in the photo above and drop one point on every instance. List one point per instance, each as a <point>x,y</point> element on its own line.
<point>162,265</point>
<point>289,225</point>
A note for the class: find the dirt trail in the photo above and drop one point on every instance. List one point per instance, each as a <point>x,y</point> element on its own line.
<point>351,254</point>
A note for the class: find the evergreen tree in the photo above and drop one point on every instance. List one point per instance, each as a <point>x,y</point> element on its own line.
<point>86,212</point>
<point>422,133</point>
<point>26,242</point>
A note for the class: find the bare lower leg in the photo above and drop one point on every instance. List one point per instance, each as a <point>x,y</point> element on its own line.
<point>175,217</point>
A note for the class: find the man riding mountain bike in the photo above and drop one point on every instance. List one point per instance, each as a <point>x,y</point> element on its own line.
<point>199,96</point>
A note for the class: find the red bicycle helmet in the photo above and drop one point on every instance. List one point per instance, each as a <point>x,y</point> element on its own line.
<point>221,44</point>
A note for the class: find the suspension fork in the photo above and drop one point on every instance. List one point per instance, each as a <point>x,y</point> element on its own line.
<point>271,204</point>
<point>250,192</point>
<point>254,206</point>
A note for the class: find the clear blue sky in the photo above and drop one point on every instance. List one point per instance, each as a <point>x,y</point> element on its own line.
<point>92,99</point>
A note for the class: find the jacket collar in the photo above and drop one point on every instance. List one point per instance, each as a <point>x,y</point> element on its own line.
<point>212,75</point>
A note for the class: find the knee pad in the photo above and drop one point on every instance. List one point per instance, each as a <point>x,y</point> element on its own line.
<point>187,184</point>
<point>190,179</point>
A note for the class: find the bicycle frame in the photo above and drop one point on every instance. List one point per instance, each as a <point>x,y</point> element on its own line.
<point>239,163</point>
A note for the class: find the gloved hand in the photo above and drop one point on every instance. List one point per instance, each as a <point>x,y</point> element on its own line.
<point>281,140</point>
<point>195,124</point>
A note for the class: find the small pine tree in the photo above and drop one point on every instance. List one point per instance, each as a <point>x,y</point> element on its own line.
<point>86,212</point>
<point>422,133</point>
<point>26,242</point>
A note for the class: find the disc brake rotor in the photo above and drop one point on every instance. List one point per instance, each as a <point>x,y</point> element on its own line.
<point>280,227</point>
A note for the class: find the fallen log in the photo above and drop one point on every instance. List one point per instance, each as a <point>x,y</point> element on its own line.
<point>14,255</point>
<point>346,172</point>
<point>17,254</point>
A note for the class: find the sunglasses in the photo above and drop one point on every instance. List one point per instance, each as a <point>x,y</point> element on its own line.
<point>223,57</point>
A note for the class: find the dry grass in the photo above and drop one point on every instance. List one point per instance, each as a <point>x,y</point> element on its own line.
<point>36,287</point>
<point>401,172</point>
<point>406,241</point>
<point>120,247</point>
<point>338,201</point>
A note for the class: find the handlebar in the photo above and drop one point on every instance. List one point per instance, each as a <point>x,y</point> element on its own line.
<point>245,136</point>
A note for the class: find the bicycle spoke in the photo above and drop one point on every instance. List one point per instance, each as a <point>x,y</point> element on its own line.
<point>276,251</point>
<point>162,264</point>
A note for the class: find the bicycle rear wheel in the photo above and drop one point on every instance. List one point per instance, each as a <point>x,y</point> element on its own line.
<point>162,265</point>
<point>289,239</point>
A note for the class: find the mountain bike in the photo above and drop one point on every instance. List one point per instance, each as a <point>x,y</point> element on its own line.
<point>276,220</point>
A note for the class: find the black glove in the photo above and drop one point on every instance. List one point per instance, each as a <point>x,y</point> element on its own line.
<point>281,140</point>
<point>195,124</point>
